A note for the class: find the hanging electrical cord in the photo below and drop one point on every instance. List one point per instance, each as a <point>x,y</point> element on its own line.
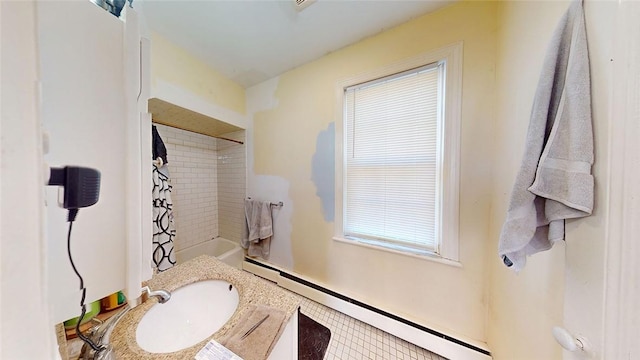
<point>96,348</point>
<point>81,189</point>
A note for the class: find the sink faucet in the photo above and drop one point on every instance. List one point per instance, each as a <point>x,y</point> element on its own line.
<point>162,295</point>
<point>99,334</point>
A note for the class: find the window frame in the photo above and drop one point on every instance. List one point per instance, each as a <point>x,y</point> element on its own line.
<point>449,136</point>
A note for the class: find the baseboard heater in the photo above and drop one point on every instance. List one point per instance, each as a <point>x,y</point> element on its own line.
<point>471,349</point>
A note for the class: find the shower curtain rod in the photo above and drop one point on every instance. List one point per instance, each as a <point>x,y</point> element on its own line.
<point>224,138</point>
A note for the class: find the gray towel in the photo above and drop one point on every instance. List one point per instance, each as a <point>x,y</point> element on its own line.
<point>555,181</point>
<point>259,230</point>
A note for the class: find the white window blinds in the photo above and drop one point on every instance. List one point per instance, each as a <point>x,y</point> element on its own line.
<point>392,158</point>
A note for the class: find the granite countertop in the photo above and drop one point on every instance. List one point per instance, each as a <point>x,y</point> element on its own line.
<point>251,290</point>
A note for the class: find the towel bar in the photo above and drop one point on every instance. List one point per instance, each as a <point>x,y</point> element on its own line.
<point>278,204</point>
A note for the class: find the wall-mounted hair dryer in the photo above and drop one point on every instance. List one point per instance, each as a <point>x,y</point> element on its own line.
<point>81,187</point>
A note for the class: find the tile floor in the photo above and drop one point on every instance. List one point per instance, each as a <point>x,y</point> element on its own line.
<point>352,339</point>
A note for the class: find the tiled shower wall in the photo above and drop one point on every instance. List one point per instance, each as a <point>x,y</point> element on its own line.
<point>209,185</point>
<point>231,186</point>
<point>193,172</point>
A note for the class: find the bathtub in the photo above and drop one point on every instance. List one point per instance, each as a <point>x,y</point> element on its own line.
<point>224,250</point>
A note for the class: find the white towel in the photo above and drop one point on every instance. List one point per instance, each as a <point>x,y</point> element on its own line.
<point>555,181</point>
<point>259,228</point>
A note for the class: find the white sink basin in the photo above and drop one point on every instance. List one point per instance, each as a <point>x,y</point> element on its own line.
<point>194,313</point>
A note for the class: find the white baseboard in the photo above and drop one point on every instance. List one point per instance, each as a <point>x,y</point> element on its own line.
<point>448,346</point>
<point>271,275</point>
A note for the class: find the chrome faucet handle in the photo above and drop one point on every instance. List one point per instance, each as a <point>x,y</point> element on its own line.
<point>162,295</point>
<point>144,294</point>
<point>97,333</point>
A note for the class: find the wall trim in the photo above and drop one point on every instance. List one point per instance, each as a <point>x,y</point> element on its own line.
<point>134,162</point>
<point>452,347</point>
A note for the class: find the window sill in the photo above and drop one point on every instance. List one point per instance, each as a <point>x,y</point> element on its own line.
<point>423,255</point>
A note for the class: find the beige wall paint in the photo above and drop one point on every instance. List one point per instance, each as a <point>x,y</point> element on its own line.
<point>284,139</point>
<point>504,46</point>
<point>523,307</point>
<point>173,64</point>
<point>563,286</point>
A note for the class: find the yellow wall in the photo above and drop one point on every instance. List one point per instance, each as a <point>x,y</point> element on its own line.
<point>172,64</point>
<point>563,286</point>
<point>284,140</point>
<point>522,307</point>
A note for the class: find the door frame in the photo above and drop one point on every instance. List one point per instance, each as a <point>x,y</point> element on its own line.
<point>622,273</point>
<point>24,305</point>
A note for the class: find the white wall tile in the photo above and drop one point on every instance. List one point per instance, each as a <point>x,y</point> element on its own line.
<point>209,185</point>
<point>231,164</point>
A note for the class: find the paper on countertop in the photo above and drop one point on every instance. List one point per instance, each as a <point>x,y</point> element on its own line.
<point>214,351</point>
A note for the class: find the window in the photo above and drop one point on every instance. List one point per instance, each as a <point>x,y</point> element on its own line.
<point>398,184</point>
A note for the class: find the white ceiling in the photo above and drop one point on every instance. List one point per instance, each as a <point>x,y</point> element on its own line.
<point>252,41</point>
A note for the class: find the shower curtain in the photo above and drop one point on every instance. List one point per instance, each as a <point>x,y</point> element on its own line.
<point>163,229</point>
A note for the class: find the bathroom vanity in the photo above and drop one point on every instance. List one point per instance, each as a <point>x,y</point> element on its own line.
<point>251,291</point>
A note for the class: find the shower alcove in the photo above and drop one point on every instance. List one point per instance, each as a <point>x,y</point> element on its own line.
<point>207,167</point>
